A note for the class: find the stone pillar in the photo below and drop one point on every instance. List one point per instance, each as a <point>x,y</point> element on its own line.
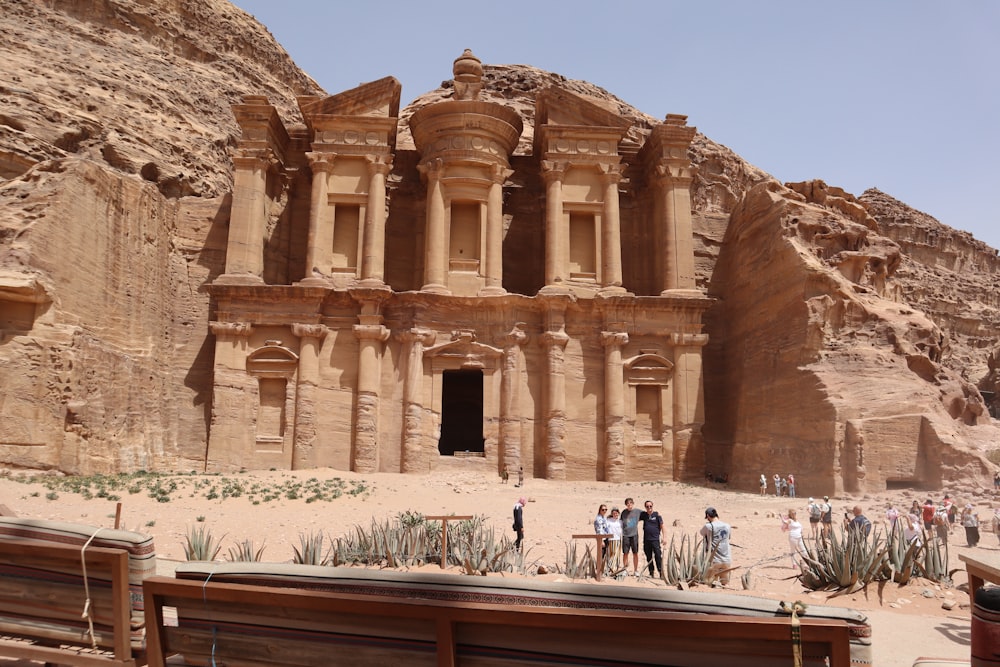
<point>371,337</point>
<point>412,457</point>
<point>689,402</point>
<point>614,406</point>
<point>310,341</point>
<point>555,403</point>
<point>248,218</point>
<point>611,237</point>
<point>373,245</point>
<point>494,232</point>
<point>510,416</point>
<point>556,241</point>
<point>231,439</point>
<point>435,243</point>
<point>674,174</point>
<point>318,261</point>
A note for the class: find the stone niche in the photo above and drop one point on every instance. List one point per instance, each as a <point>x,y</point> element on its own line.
<point>458,304</point>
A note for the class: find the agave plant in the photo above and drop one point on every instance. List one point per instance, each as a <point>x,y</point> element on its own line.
<point>577,565</point>
<point>477,550</point>
<point>245,552</point>
<point>844,563</point>
<point>311,552</point>
<point>686,562</point>
<point>200,544</point>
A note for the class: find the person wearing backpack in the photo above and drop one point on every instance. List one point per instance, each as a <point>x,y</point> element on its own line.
<point>814,515</point>
<point>826,516</point>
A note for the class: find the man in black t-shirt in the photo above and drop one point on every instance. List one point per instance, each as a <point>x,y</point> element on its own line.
<point>652,537</point>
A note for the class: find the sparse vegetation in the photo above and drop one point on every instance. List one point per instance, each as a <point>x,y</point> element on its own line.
<point>162,487</point>
<point>245,552</point>
<point>200,544</point>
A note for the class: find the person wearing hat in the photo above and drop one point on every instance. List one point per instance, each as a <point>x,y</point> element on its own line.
<point>716,533</point>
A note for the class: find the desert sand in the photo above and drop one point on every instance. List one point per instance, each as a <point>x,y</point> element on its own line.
<point>908,622</point>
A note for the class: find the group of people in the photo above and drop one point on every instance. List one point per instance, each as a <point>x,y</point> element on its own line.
<point>783,486</point>
<point>623,527</point>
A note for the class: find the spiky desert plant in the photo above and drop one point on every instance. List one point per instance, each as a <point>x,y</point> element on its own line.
<point>474,545</point>
<point>846,562</point>
<point>686,562</point>
<point>200,544</point>
<point>245,552</point>
<point>311,552</point>
<point>579,565</point>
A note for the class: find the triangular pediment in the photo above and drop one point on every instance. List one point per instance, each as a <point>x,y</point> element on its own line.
<point>377,98</point>
<point>558,106</point>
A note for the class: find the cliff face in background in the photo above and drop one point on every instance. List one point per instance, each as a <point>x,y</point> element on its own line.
<point>854,328</point>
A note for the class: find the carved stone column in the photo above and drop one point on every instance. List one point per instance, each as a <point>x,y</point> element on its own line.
<point>689,402</point>
<point>231,438</point>
<point>611,238</point>
<point>435,251</point>
<point>494,232</point>
<point>674,174</point>
<point>370,337</point>
<point>412,455</point>
<point>230,343</point>
<point>555,404</point>
<point>614,406</point>
<point>311,340</point>
<point>510,416</point>
<point>320,234</point>
<point>373,246</point>
<point>247,218</point>
<point>556,241</point>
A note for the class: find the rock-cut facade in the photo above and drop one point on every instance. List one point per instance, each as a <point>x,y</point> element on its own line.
<point>460,302</point>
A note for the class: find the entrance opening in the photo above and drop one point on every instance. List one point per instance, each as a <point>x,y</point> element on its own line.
<point>461,412</point>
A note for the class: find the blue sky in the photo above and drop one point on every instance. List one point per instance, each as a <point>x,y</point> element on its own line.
<point>899,95</point>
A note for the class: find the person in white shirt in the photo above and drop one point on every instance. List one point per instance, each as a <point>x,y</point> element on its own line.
<point>615,543</point>
<point>797,548</point>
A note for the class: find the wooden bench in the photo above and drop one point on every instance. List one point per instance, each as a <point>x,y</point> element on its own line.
<point>245,624</point>
<point>51,611</point>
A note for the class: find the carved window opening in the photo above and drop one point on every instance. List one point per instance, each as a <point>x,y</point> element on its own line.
<point>649,376</point>
<point>274,367</point>
<point>582,247</point>
<point>464,251</point>
<point>346,231</point>
<point>462,413</point>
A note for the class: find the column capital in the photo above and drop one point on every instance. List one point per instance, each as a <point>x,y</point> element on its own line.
<point>674,172</point>
<point>371,332</point>
<point>379,164</point>
<point>614,338</point>
<point>553,170</point>
<point>321,162</point>
<point>234,329</point>
<point>254,158</point>
<point>515,337</point>
<point>610,173</point>
<point>317,331</point>
<point>689,340</point>
<point>431,169</point>
<point>555,338</point>
<point>425,337</point>
<point>499,173</point>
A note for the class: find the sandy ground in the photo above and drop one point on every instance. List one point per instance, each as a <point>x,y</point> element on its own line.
<point>908,622</point>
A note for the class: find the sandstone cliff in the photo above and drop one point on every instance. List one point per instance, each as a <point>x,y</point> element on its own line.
<point>853,327</point>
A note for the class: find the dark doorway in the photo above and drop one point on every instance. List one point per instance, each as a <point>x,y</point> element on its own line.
<point>461,412</point>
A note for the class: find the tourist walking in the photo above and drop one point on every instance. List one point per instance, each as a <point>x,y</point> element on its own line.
<point>652,537</point>
<point>796,547</point>
<point>520,476</point>
<point>777,485</point>
<point>791,485</point>
<point>891,517</point>
<point>519,522</point>
<point>763,484</point>
<point>858,523</point>
<point>505,475</point>
<point>826,516</point>
<point>927,513</point>
<point>630,534</point>
<point>716,534</point>
<point>970,520</point>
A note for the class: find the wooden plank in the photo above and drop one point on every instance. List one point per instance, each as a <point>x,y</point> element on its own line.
<point>454,621</point>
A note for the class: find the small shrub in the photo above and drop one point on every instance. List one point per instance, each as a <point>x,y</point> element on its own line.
<point>311,552</point>
<point>245,552</point>
<point>200,544</point>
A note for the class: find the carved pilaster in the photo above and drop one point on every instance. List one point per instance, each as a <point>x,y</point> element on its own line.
<point>310,341</point>
<point>688,407</point>
<point>435,245</point>
<point>494,231</point>
<point>373,244</point>
<point>247,217</point>
<point>555,412</point>
<point>556,241</point>
<point>611,243</point>
<point>320,232</point>
<point>370,337</point>
<point>415,340</point>
<point>510,417</point>
<point>614,405</point>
